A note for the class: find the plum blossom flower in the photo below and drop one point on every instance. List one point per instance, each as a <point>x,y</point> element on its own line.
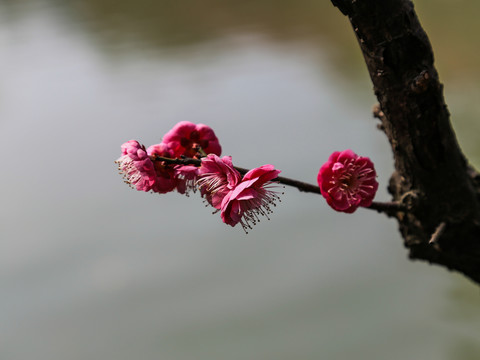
<point>347,181</point>
<point>216,177</point>
<point>186,178</point>
<point>171,177</point>
<point>185,138</point>
<point>250,198</point>
<point>136,167</point>
<point>165,174</point>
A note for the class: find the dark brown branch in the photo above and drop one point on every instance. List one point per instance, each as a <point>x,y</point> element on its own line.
<point>179,161</point>
<point>389,208</point>
<point>414,116</point>
<point>300,185</point>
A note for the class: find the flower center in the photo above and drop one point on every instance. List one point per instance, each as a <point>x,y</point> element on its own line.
<point>192,142</point>
<point>347,175</point>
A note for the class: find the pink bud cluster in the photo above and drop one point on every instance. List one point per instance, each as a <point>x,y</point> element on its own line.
<point>239,199</point>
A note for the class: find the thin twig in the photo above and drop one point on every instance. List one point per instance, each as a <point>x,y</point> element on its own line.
<point>386,207</point>
<point>300,185</point>
<point>179,161</point>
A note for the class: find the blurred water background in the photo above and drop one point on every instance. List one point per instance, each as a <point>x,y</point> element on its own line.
<point>90,269</point>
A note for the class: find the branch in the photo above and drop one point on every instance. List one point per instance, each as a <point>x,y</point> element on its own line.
<point>389,208</point>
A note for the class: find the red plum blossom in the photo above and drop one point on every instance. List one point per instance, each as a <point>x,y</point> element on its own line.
<point>347,181</point>
<point>250,198</point>
<point>185,138</point>
<point>217,177</point>
<point>165,174</point>
<point>136,166</point>
<point>186,178</point>
<point>188,158</point>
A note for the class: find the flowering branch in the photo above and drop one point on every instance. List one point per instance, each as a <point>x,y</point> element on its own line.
<point>302,186</point>
<point>435,190</point>
<point>389,208</point>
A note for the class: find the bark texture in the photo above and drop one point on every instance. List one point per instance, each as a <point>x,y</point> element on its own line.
<point>431,174</point>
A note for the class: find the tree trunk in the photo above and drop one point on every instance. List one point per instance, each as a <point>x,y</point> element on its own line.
<point>431,174</point>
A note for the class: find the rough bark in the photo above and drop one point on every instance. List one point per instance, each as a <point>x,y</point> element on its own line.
<point>431,174</point>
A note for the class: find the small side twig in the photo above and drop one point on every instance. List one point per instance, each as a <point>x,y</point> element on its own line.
<point>438,233</point>
<point>380,115</point>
